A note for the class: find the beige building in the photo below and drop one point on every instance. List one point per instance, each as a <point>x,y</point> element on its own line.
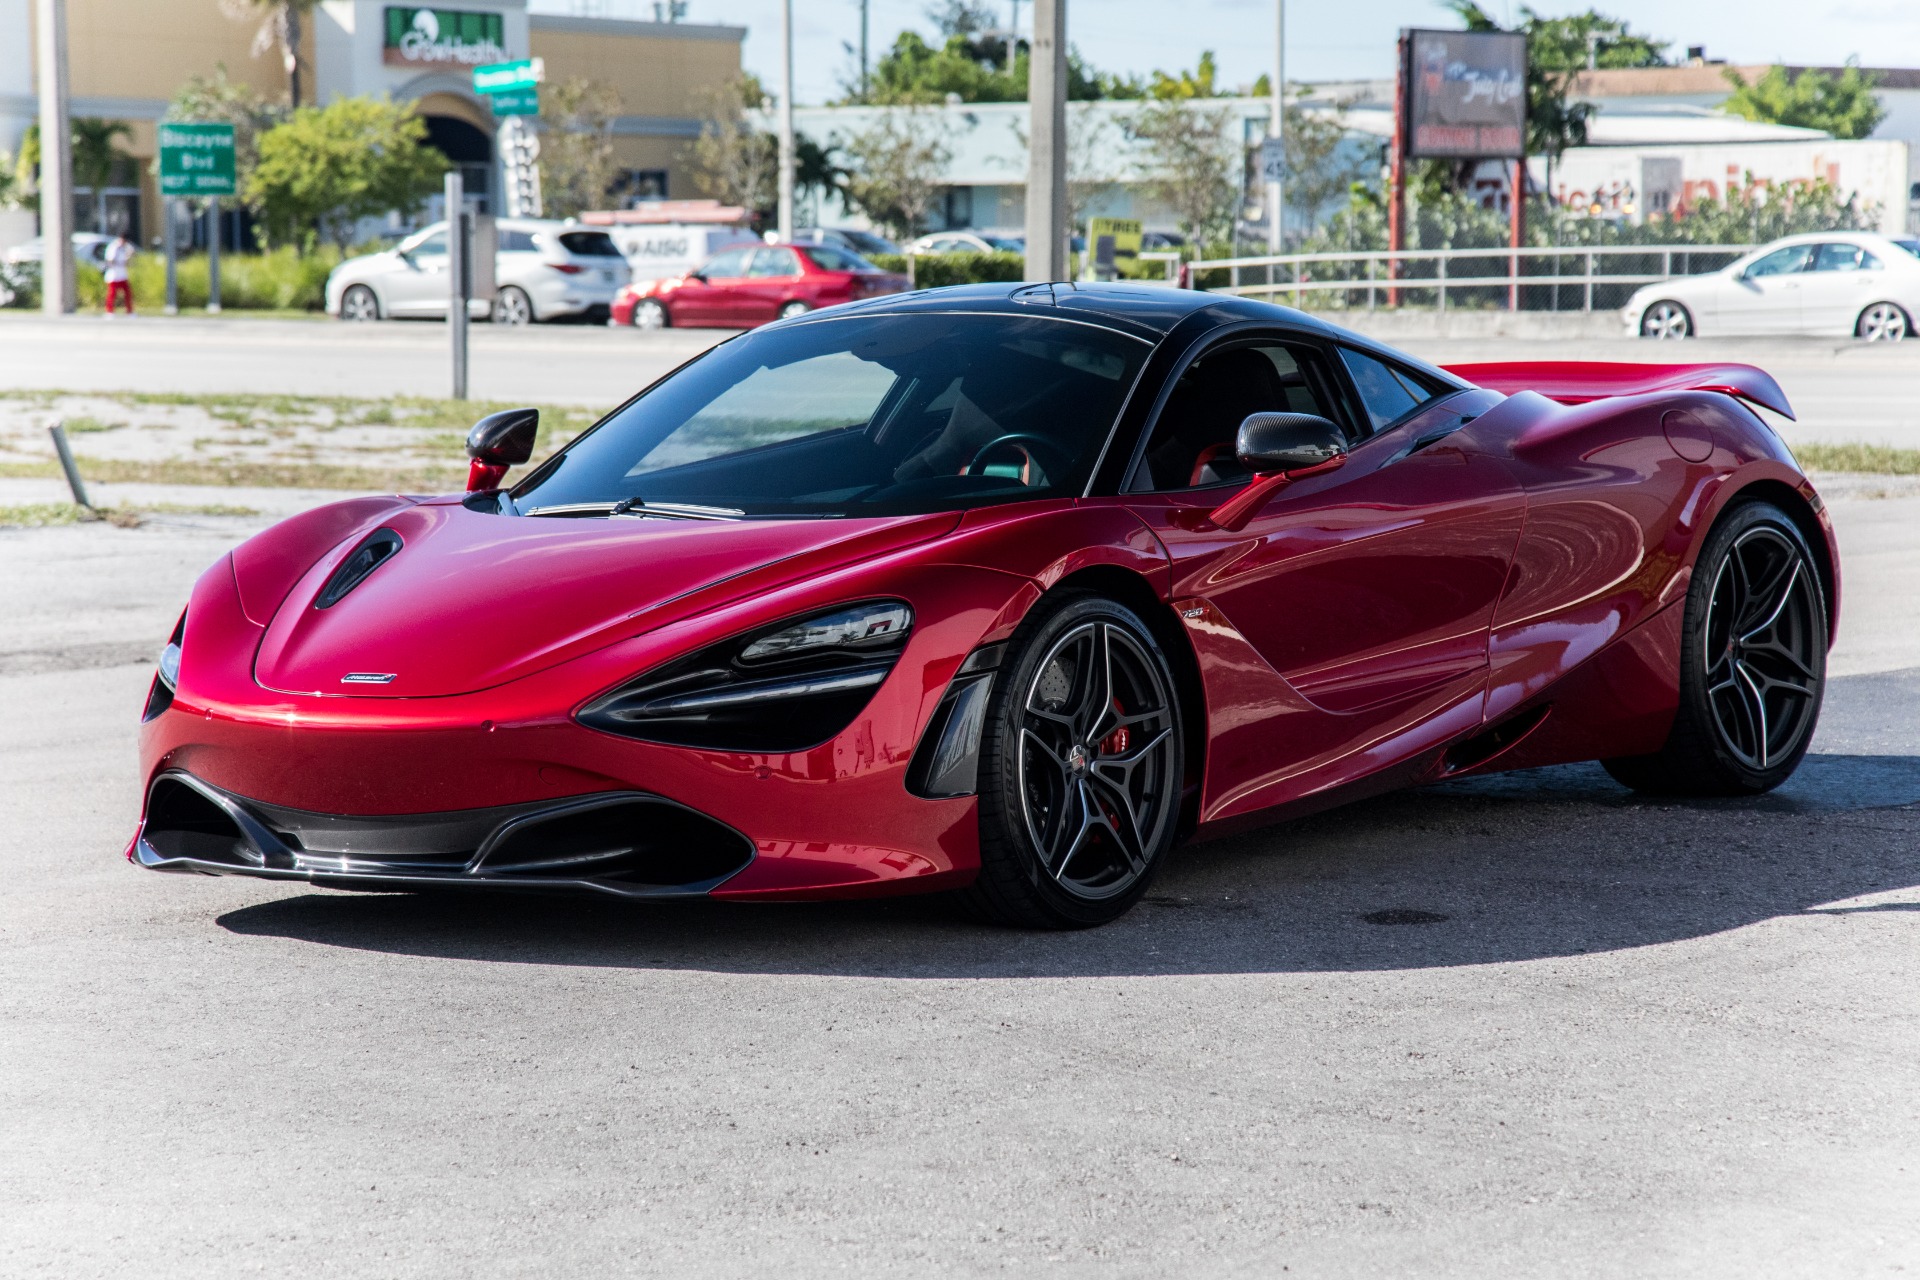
<point>126,58</point>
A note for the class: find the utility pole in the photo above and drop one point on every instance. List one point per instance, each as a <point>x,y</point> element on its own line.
<point>1277,130</point>
<point>866,88</point>
<point>56,162</point>
<point>785,212</point>
<point>1047,152</point>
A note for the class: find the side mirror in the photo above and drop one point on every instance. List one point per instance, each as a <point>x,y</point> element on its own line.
<point>1270,442</point>
<point>497,442</point>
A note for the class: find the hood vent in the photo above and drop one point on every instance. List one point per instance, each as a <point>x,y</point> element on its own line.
<point>380,547</point>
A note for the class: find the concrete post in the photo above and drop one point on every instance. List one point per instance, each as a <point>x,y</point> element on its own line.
<point>1047,154</point>
<point>784,214</point>
<point>1277,130</point>
<point>213,255</point>
<point>457,280</point>
<point>56,160</point>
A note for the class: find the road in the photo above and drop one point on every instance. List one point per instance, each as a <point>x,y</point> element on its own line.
<point>1648,1039</point>
<point>1843,391</point>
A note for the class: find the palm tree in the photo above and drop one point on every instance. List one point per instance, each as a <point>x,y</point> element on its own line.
<point>279,28</point>
<point>94,156</point>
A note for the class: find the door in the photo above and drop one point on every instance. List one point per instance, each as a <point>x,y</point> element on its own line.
<point>418,284</point>
<point>723,302</point>
<point>1765,298</point>
<point>772,280</point>
<point>1837,286</point>
<point>1365,587</point>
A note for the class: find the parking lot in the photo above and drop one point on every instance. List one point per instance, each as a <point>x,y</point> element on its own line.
<point>1620,1038</point>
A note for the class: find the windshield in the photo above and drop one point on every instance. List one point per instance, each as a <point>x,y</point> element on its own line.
<point>858,416</point>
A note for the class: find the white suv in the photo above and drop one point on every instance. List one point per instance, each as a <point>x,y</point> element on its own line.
<point>544,270</point>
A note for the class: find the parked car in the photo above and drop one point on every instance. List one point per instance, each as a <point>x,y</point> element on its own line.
<point>749,286</point>
<point>1001,592</point>
<point>968,242</point>
<point>1831,283</point>
<point>89,250</point>
<point>1162,241</point>
<point>544,271</point>
<point>852,239</point>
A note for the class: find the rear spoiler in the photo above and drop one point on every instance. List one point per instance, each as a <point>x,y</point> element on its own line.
<point>1581,381</point>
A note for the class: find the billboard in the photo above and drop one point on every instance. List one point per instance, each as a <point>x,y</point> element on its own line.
<point>1466,95</point>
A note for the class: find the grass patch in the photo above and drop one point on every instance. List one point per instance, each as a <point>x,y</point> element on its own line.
<point>1869,459</point>
<point>83,425</point>
<point>43,515</point>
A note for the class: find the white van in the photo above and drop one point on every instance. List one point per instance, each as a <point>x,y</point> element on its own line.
<point>659,251</point>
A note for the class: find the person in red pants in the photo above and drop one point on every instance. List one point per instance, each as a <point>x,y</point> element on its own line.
<point>119,255</point>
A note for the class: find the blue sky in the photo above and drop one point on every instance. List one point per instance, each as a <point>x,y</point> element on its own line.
<point>1327,39</point>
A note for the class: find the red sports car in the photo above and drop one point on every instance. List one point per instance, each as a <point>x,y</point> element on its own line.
<point>750,286</point>
<point>1003,590</point>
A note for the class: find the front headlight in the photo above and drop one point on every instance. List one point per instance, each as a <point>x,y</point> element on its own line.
<point>167,679</point>
<point>783,688</point>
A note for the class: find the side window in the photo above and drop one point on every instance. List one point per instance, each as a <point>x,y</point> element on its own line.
<point>1389,392</point>
<point>727,266</point>
<point>1844,257</point>
<point>1193,439</point>
<point>1783,262</point>
<point>516,242</point>
<point>774,262</point>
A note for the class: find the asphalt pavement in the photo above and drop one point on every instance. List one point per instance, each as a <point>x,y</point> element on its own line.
<point>1639,1039</point>
<point>1841,390</point>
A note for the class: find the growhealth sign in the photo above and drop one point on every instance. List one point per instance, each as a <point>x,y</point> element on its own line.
<point>196,159</point>
<point>431,37</point>
<point>1466,95</point>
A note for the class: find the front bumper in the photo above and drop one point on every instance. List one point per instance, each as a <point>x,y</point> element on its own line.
<point>626,843</point>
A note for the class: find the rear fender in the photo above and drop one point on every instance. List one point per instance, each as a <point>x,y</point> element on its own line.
<point>1582,381</point>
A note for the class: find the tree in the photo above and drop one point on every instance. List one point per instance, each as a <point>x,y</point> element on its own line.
<point>972,61</point>
<point>220,100</point>
<point>1320,166</point>
<point>1845,105</point>
<point>1190,166</point>
<point>1089,158</point>
<point>735,160</point>
<point>896,167</point>
<point>1182,85</point>
<point>577,167</point>
<point>279,29</point>
<point>95,156</point>
<point>327,167</point>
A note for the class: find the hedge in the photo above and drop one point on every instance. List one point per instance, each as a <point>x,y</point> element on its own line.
<point>932,270</point>
<point>281,280</point>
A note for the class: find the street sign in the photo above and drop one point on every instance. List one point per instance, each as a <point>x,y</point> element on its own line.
<point>516,102</point>
<point>498,77</point>
<point>1273,160</point>
<point>196,159</point>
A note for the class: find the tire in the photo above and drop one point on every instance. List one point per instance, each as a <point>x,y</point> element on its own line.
<point>649,314</point>
<point>1078,800</point>
<point>1753,663</point>
<point>793,309</point>
<point>1666,320</point>
<point>1883,322</point>
<point>358,305</point>
<point>512,307</point>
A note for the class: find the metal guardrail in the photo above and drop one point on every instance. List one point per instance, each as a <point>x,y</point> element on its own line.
<point>1425,272</point>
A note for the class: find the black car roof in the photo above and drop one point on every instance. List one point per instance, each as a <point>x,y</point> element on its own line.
<point>1141,310</point>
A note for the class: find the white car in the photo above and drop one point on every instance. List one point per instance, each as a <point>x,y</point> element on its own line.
<point>89,249</point>
<point>544,270</point>
<point>966,242</point>
<point>1834,284</point>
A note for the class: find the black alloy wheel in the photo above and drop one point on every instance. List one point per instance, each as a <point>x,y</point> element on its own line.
<point>1081,769</point>
<point>1753,663</point>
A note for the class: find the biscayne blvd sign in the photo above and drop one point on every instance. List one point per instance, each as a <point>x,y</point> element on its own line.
<point>196,159</point>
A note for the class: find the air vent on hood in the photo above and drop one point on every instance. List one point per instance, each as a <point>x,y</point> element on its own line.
<point>379,547</point>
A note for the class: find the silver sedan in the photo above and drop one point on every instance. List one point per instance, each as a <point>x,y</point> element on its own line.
<point>1832,284</point>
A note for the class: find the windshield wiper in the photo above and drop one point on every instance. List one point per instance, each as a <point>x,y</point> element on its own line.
<point>640,508</point>
<point>573,509</point>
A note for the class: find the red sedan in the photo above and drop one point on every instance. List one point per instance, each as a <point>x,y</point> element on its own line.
<point>745,287</point>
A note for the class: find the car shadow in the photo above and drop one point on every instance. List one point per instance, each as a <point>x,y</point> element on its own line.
<point>1550,863</point>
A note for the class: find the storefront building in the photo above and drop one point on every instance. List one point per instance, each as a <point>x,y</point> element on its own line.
<point>126,60</point>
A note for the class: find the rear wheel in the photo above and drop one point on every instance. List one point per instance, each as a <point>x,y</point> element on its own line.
<point>359,305</point>
<point>648,314</point>
<point>1081,768</point>
<point>1666,320</point>
<point>511,306</point>
<point>1883,322</point>
<point>1753,664</point>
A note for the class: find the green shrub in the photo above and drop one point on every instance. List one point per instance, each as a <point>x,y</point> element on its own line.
<point>280,280</point>
<point>933,270</point>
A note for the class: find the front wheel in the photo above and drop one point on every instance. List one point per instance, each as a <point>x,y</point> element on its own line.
<point>1666,320</point>
<point>511,306</point>
<point>359,305</point>
<point>793,309</point>
<point>1081,769</point>
<point>1883,322</point>
<point>1753,663</point>
<point>649,314</point>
